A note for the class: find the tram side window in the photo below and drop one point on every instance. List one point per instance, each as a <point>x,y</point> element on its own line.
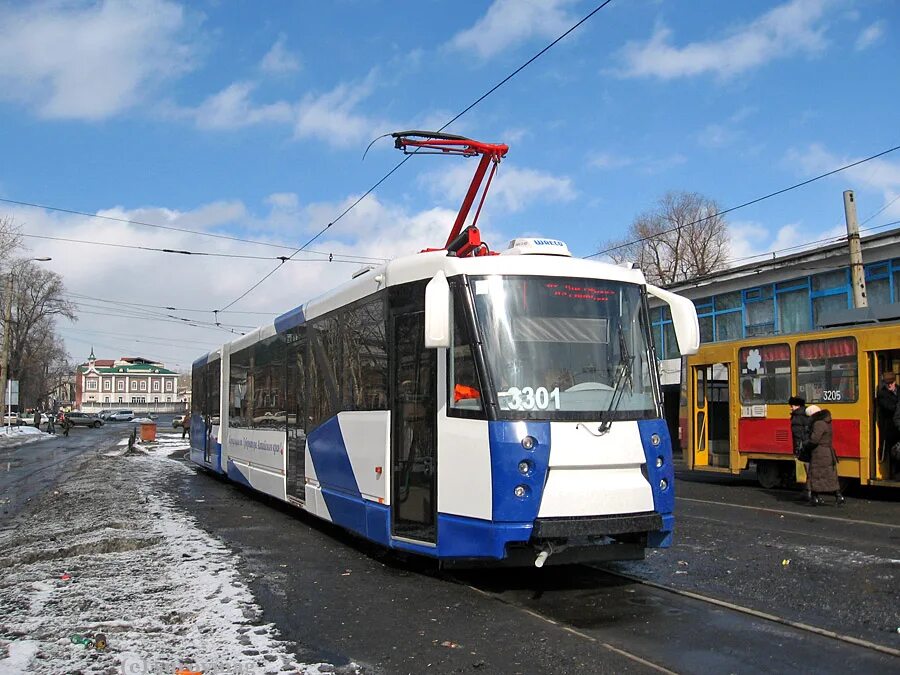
<point>365,356</point>
<point>295,382</point>
<point>213,387</point>
<point>240,390</point>
<point>325,370</point>
<point>464,387</point>
<point>828,370</point>
<point>198,389</point>
<point>268,384</point>
<point>765,374</point>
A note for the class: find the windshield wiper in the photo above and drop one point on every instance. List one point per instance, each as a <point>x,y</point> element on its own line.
<point>623,373</point>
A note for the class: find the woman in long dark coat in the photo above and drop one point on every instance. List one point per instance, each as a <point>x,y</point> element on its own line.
<point>822,476</point>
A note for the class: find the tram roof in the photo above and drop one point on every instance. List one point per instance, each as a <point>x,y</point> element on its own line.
<point>421,266</point>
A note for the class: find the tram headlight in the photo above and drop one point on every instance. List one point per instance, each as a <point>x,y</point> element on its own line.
<point>659,462</point>
<point>655,440</point>
<point>663,484</point>
<point>521,491</point>
<point>529,442</point>
<point>524,467</point>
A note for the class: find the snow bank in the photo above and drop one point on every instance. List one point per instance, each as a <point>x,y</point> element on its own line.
<point>111,554</point>
<point>11,437</point>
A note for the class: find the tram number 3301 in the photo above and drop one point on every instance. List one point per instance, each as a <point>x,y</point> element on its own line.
<point>529,398</point>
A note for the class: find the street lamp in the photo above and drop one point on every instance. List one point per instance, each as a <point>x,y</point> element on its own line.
<point>4,363</point>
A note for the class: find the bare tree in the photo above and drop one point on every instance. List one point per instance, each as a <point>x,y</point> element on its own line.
<point>10,241</point>
<point>682,238</point>
<point>35,350</point>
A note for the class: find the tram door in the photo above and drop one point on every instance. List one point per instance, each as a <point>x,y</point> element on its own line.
<point>712,414</point>
<point>880,362</point>
<point>413,433</point>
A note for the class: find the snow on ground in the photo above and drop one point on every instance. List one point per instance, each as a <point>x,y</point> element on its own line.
<point>14,436</point>
<point>107,552</point>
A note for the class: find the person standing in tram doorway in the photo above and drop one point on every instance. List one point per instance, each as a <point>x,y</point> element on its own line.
<point>822,475</point>
<point>886,401</point>
<point>800,434</point>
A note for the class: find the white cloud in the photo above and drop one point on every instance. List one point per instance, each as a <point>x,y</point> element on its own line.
<point>333,117</point>
<point>648,165</point>
<point>512,188</point>
<point>283,200</point>
<point>232,108</point>
<point>880,176</point>
<point>753,242</point>
<point>721,134</point>
<point>278,60</point>
<point>606,160</point>
<point>795,27</point>
<point>89,61</point>
<point>123,276</point>
<point>870,35</point>
<point>508,23</point>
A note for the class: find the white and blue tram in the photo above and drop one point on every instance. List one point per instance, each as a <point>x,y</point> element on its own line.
<point>486,409</point>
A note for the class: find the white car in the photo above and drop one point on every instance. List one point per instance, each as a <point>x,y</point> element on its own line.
<point>121,416</point>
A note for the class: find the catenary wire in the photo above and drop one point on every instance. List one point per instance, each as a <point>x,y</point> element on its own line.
<point>142,223</point>
<point>832,239</point>
<point>747,203</point>
<point>341,258</point>
<point>173,309</point>
<point>407,157</point>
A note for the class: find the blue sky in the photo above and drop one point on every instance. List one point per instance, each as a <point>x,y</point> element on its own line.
<point>251,119</point>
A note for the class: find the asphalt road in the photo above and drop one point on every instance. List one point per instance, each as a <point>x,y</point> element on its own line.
<point>343,600</point>
<point>28,470</point>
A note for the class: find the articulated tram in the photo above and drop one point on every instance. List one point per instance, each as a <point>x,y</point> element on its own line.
<point>477,409</point>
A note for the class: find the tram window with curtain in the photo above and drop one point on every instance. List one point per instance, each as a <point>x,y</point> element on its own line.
<point>828,370</point>
<point>765,374</point>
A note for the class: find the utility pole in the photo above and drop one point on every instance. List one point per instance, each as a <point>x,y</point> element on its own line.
<point>857,273</point>
<point>7,317</point>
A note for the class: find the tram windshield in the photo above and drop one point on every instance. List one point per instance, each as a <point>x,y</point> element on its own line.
<point>566,348</point>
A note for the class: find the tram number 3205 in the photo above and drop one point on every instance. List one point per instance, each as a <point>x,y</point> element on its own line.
<point>831,395</point>
<point>530,398</point>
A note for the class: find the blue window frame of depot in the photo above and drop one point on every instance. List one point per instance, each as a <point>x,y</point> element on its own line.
<point>664,333</point>
<point>759,311</point>
<point>829,291</point>
<point>793,312</point>
<point>721,317</point>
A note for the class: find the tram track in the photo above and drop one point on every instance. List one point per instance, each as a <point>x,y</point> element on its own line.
<point>786,512</point>
<point>799,625</point>
<point>578,633</point>
<point>573,611</point>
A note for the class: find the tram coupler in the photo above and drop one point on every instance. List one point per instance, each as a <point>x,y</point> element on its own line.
<point>545,551</point>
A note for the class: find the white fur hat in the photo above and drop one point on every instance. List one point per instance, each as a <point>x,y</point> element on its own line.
<point>812,410</point>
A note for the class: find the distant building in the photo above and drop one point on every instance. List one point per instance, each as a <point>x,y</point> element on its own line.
<point>131,382</point>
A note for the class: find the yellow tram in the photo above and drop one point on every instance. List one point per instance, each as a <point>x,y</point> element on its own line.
<point>735,411</point>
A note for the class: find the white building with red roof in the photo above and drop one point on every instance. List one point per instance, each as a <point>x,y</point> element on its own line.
<point>132,382</point>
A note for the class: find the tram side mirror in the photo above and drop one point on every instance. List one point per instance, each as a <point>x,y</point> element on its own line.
<point>437,312</point>
<point>684,319</point>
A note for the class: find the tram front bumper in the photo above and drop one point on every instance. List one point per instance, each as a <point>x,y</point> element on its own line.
<point>598,526</point>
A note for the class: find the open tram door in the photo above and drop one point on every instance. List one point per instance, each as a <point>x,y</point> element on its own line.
<point>711,417</point>
<point>879,468</point>
<point>413,431</point>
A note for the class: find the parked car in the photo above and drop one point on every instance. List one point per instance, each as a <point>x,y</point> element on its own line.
<point>14,419</point>
<point>104,414</point>
<point>181,421</point>
<point>121,416</point>
<point>80,419</point>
